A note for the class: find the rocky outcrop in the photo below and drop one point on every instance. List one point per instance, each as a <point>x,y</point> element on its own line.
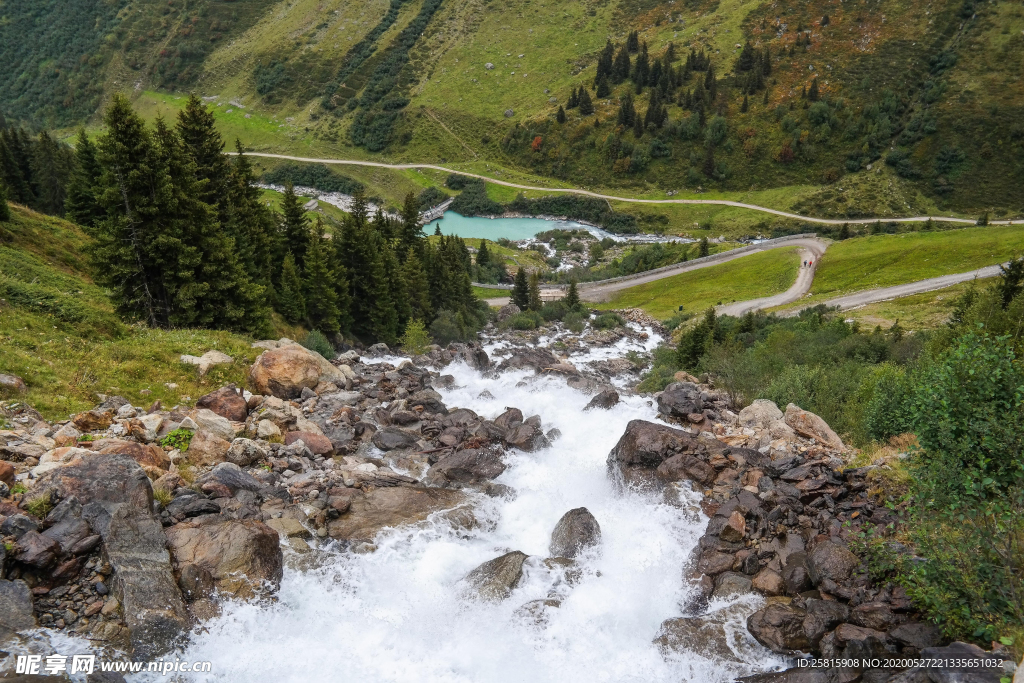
<point>117,502</point>
<point>284,372</point>
<point>605,400</point>
<point>575,532</point>
<point>470,466</point>
<point>15,609</point>
<point>372,511</point>
<point>648,450</point>
<point>495,579</point>
<point>811,426</point>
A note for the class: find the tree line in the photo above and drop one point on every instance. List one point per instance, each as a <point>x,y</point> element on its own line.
<point>183,237</point>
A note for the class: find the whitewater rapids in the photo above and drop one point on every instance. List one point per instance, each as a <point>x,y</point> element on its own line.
<point>400,614</point>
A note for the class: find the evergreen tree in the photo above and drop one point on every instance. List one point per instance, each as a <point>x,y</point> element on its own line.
<point>290,301</point>
<point>627,112</point>
<point>412,229</point>
<point>574,99</point>
<point>709,162</point>
<point>82,205</point>
<point>604,63</point>
<point>205,147</point>
<point>483,254</point>
<point>5,209</point>
<point>294,226</point>
<point>521,290</point>
<point>51,169</point>
<point>603,89</point>
<point>813,95</point>
<point>745,106</point>
<point>633,41</point>
<point>746,59</point>
<point>572,297</point>
<point>764,100</point>
<point>560,116</point>
<point>586,104</point>
<point>698,340</point>
<point>621,68</point>
<point>711,84</point>
<point>417,288</point>
<point>638,127</point>
<point>318,285</point>
<point>535,302</point>
<point>642,70</point>
<point>844,232</point>
<point>704,248</point>
<point>16,167</point>
<point>251,223</point>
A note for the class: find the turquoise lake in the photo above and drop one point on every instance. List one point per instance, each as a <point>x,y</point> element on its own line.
<point>496,228</point>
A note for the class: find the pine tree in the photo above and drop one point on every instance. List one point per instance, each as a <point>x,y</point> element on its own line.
<point>205,147</point>
<point>638,128</point>
<point>560,116</point>
<point>290,301</point>
<point>251,223</point>
<point>622,66</point>
<point>521,290</point>
<point>574,99</point>
<point>51,170</point>
<point>294,226</point>
<point>704,248</point>
<point>417,288</point>
<point>813,95</point>
<point>572,297</point>
<point>411,229</point>
<point>535,301</point>
<point>603,89</point>
<point>745,106</point>
<point>586,104</point>
<point>709,162</point>
<point>16,167</point>
<point>844,232</point>
<point>711,84</point>
<point>5,209</point>
<point>633,41</point>
<point>483,254</point>
<point>764,100</point>
<point>318,285</point>
<point>82,206</point>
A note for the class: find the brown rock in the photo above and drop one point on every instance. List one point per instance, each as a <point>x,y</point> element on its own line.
<point>285,371</point>
<point>226,402</point>
<point>576,531</point>
<point>768,582</point>
<point>318,443</point>
<point>779,627</point>
<point>207,449</point>
<point>147,455</point>
<point>379,508</point>
<point>714,562</point>
<point>92,421</point>
<point>6,472</point>
<point>495,579</point>
<point>242,555</point>
<point>873,615</point>
<point>735,528</point>
<point>811,426</point>
<point>37,550</point>
<point>644,446</point>
<point>469,466</point>
<point>831,561</point>
<point>855,642</point>
<point>686,467</point>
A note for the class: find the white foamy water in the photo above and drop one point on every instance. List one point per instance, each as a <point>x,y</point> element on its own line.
<point>400,614</point>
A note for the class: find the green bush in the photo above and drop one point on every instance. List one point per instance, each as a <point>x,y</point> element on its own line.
<point>554,310</point>
<point>526,320</point>
<point>574,322</point>
<point>607,321</point>
<point>316,341</point>
<point>888,410</point>
<point>448,327</point>
<point>416,339</point>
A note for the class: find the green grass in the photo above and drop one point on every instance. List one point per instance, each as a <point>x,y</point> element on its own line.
<point>484,293</point>
<point>59,333</point>
<point>750,277</point>
<point>925,311</point>
<point>885,260</point>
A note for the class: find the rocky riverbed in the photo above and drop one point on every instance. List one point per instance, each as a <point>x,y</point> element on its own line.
<point>505,510</point>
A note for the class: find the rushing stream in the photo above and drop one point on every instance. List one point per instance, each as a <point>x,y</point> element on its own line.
<point>401,614</point>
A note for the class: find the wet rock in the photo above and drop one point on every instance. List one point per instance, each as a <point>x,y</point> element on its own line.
<point>644,446</point>
<point>874,615</point>
<point>809,425</point>
<point>735,528</point>
<point>392,438</point>
<point>470,466</point>
<point>729,584</point>
<point>831,561</point>
<point>226,402</point>
<point>15,608</point>
<point>706,635</point>
<point>511,418</point>
<point>243,556</point>
<point>779,627</point>
<point>374,510</point>
<point>495,579</point>
<point>855,642</point>
<point>229,476</point>
<point>760,414</point>
<point>244,452</point>
<point>535,358</point>
<point>537,612</point>
<point>685,467</point>
<point>768,582</point>
<point>117,501</point>
<point>429,400</point>
<point>680,399</point>
<point>575,532</point>
<point>318,443</point>
<point>284,371</point>
<point>795,575</point>
<point>605,400</point>
<point>526,437</point>
<point>822,617</point>
<point>916,634</point>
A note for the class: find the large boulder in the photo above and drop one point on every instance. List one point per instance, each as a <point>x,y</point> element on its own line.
<point>242,556</point>
<point>829,560</point>
<point>495,579</point>
<point>318,443</point>
<point>147,455</point>
<point>469,466</point>
<point>215,424</point>
<point>15,608</point>
<point>392,438</point>
<point>605,400</point>
<point>117,502</point>
<point>12,384</point>
<point>680,399</point>
<point>779,627</point>
<point>283,372</point>
<point>527,437</point>
<point>644,446</point>
<point>207,449</point>
<point>709,635</point>
<point>244,452</point>
<point>226,402</point>
<point>93,420</point>
<point>576,531</point>
<point>811,426</point>
<point>371,511</point>
<point>760,414</point>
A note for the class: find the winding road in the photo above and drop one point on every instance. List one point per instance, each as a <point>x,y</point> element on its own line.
<point>587,193</point>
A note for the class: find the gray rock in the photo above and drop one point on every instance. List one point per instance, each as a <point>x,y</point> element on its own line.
<point>832,561</point>
<point>470,466</point>
<point>605,400</point>
<point>244,452</point>
<point>526,437</point>
<point>760,414</point>
<point>822,617</point>
<point>36,550</point>
<point>231,476</point>
<point>495,579</point>
<point>680,399</point>
<point>392,438</point>
<point>779,627</point>
<point>917,634</point>
<point>18,526</point>
<point>576,531</point>
<point>729,584</point>
<point>509,113</point>
<point>15,608</point>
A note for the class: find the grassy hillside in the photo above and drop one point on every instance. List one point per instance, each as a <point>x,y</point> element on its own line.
<point>918,312</point>
<point>59,333</point>
<point>750,277</point>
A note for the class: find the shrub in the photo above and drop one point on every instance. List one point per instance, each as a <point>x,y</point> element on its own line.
<point>888,410</point>
<point>178,438</point>
<point>607,321</point>
<point>554,310</point>
<point>312,175</point>
<point>416,338</point>
<point>526,320</point>
<point>316,341</point>
<point>574,322</point>
<point>447,327</point>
